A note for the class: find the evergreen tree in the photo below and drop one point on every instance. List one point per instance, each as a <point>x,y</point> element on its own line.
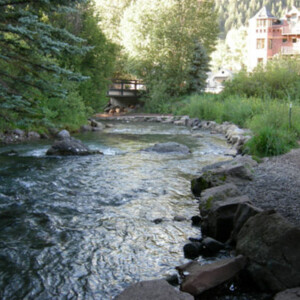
<point>198,70</point>
<point>29,49</point>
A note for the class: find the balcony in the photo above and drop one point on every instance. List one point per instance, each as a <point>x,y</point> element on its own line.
<point>292,50</point>
<point>292,29</point>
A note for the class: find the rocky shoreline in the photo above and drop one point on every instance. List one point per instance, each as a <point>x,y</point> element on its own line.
<point>237,218</point>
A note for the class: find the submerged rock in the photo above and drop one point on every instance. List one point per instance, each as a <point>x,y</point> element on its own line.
<point>9,153</point>
<point>153,290</point>
<point>70,146</point>
<point>169,147</point>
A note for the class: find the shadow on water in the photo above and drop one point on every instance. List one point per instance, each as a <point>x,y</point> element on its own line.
<point>82,227</point>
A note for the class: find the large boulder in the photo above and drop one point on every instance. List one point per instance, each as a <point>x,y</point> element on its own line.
<point>272,245</point>
<point>198,278</point>
<point>234,171</point>
<point>219,221</point>
<point>153,290</point>
<point>169,147</point>
<point>244,211</point>
<point>70,146</point>
<point>216,194</point>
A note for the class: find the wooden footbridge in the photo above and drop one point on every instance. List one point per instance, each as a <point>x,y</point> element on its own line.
<point>125,92</point>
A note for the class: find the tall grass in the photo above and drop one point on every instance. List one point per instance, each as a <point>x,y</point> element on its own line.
<point>268,119</point>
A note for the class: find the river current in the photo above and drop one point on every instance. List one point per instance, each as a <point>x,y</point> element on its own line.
<point>82,227</point>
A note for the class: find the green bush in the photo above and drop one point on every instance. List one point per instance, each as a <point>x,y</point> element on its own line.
<point>269,141</point>
<point>279,79</point>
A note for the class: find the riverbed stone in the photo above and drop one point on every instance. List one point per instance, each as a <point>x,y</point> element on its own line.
<point>192,250</point>
<point>32,136</point>
<point>216,194</point>
<point>290,294</point>
<point>236,171</point>
<point>244,211</point>
<point>153,290</point>
<point>197,278</point>
<point>272,245</point>
<point>183,121</point>
<point>19,132</point>
<point>70,146</point>
<point>84,128</point>
<point>219,220</point>
<point>95,124</point>
<point>169,147</point>
<point>63,134</point>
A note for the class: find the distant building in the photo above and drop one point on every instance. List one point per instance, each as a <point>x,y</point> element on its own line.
<point>215,80</point>
<point>269,36</point>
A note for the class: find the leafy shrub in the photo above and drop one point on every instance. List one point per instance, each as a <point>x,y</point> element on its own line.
<point>270,142</point>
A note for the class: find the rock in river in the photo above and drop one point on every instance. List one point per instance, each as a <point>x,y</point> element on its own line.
<point>169,147</point>
<point>70,146</point>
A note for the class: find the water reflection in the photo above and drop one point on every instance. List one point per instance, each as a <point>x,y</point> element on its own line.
<point>82,227</point>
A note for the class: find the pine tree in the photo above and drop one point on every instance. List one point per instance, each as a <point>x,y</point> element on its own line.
<point>29,48</point>
<point>198,70</point>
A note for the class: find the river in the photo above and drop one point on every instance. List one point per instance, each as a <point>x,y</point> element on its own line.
<point>82,227</point>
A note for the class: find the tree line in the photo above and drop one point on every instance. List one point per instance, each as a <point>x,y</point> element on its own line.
<point>55,63</point>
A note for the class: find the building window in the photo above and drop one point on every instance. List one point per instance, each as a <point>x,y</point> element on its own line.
<point>270,44</point>
<point>261,23</point>
<point>260,43</point>
<point>284,40</point>
<point>294,40</point>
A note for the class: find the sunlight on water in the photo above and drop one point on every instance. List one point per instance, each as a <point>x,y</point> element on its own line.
<point>82,227</point>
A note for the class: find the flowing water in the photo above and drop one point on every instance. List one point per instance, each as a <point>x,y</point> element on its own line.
<point>82,227</point>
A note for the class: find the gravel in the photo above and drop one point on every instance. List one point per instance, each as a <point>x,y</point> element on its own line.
<point>276,185</point>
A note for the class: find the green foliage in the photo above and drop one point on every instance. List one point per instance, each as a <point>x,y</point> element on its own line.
<point>268,119</point>
<point>197,72</point>
<point>236,13</point>
<point>278,79</point>
<point>70,113</point>
<point>271,142</point>
<point>29,49</point>
<point>98,63</point>
<point>159,38</point>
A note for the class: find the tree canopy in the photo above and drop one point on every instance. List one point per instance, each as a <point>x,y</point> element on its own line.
<point>40,57</point>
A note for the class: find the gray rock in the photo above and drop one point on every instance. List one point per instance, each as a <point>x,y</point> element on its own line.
<point>183,121</point>
<point>235,171</point>
<point>198,278</point>
<point>219,220</point>
<point>179,218</point>
<point>216,194</point>
<point>63,134</point>
<point>169,147</point>
<point>192,250</point>
<point>97,125</point>
<point>19,132</point>
<point>86,128</point>
<point>243,213</point>
<point>272,245</point>
<point>32,135</point>
<point>213,246</point>
<point>290,294</point>
<point>70,146</point>
<point>153,290</point>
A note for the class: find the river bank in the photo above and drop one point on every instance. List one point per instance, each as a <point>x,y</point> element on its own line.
<point>236,136</point>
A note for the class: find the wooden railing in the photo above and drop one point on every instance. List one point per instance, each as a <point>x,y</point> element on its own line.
<point>126,88</point>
